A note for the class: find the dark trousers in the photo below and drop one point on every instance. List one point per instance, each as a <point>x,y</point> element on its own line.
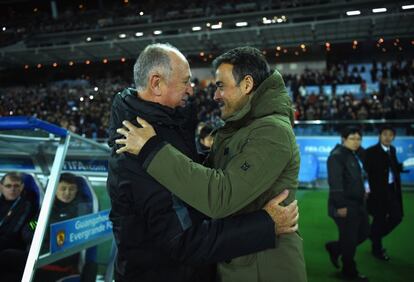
<point>353,230</point>
<point>385,220</point>
<point>12,263</point>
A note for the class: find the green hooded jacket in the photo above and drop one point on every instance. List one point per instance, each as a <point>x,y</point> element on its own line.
<point>254,158</point>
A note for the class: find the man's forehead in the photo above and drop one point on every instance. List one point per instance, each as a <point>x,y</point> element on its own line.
<point>12,180</point>
<point>182,70</point>
<point>354,135</point>
<point>66,184</point>
<point>224,70</point>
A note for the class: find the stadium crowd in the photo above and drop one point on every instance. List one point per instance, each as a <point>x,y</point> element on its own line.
<point>24,20</point>
<point>83,105</point>
<point>393,100</point>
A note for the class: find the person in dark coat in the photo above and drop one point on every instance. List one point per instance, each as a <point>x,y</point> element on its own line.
<point>205,140</point>
<point>69,203</point>
<point>16,211</point>
<point>385,198</point>
<point>159,237</point>
<point>346,204</point>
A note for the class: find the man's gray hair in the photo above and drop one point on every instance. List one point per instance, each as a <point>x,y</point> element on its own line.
<point>154,58</point>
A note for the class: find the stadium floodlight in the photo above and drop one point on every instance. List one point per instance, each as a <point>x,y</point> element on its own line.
<point>122,35</point>
<point>196,28</point>
<point>141,13</point>
<point>241,24</point>
<point>96,88</point>
<point>4,28</point>
<point>353,13</point>
<point>217,26</point>
<point>88,39</point>
<point>379,10</point>
<point>279,20</point>
<point>157,32</point>
<point>139,34</point>
<point>407,7</point>
<point>266,20</point>
<point>90,97</point>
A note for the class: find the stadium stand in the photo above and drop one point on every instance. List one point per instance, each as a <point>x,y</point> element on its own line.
<point>83,105</point>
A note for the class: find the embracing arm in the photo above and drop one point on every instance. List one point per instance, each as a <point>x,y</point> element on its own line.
<point>172,229</point>
<point>221,192</point>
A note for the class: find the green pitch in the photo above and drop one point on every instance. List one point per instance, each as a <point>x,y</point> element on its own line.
<point>317,228</point>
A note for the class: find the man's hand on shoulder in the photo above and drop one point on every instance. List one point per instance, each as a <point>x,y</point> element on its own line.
<point>135,137</point>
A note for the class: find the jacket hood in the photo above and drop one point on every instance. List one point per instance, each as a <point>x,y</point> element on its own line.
<point>269,98</point>
<point>127,105</point>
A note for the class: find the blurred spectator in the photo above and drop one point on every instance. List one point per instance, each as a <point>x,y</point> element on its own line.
<point>77,106</point>
<point>346,204</point>
<point>385,199</point>
<point>205,140</point>
<point>16,210</point>
<point>69,203</point>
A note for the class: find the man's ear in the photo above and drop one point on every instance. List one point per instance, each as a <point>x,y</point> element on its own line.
<point>155,84</point>
<point>247,84</point>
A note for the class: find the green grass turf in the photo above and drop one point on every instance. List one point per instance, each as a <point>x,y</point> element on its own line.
<point>104,249</point>
<point>317,228</point>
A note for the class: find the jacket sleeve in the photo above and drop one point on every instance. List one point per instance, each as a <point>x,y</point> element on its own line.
<point>171,227</point>
<point>218,240</point>
<point>221,192</point>
<point>336,181</point>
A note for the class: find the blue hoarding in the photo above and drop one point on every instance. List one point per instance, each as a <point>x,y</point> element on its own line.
<point>320,147</point>
<point>9,164</point>
<point>79,230</point>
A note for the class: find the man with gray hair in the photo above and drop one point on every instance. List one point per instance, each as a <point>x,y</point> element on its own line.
<point>159,237</point>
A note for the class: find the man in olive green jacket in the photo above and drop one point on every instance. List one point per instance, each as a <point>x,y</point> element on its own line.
<point>254,156</point>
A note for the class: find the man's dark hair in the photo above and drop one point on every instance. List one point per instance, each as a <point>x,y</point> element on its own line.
<point>245,61</point>
<point>68,178</point>
<point>350,130</point>
<point>15,176</point>
<point>386,127</point>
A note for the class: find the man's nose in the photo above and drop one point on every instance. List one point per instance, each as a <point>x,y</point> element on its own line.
<point>217,95</point>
